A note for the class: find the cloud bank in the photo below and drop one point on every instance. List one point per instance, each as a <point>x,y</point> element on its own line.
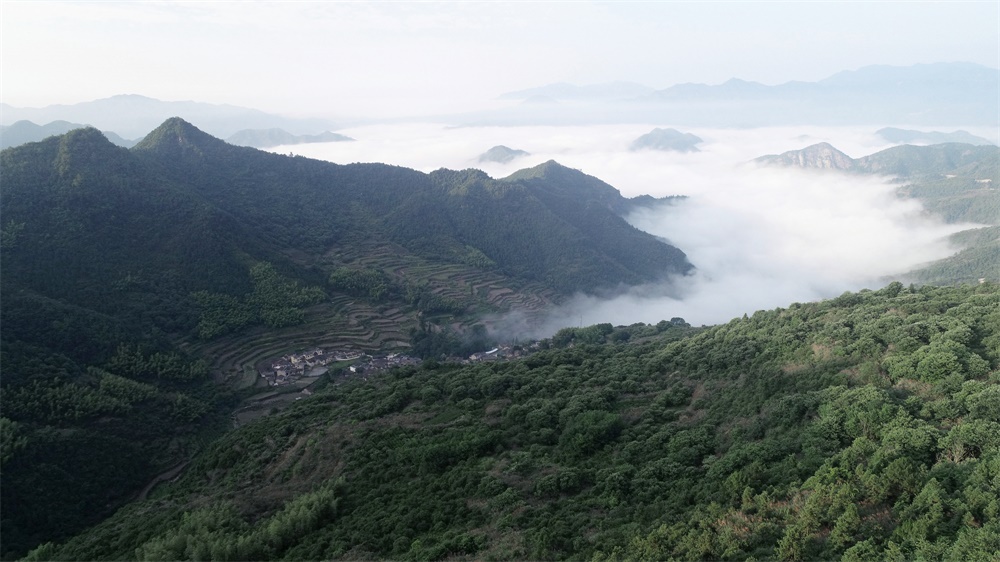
<point>760,238</point>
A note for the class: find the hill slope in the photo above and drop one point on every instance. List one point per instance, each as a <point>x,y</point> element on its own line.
<point>185,205</point>
<point>957,182</point>
<point>126,274</point>
<point>863,427</point>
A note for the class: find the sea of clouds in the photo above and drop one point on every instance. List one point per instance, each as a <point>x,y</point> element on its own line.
<point>760,238</point>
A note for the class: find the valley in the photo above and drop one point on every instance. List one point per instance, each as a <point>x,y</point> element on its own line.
<point>499,281</point>
<point>204,274</point>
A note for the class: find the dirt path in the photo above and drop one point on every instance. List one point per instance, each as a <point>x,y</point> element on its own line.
<point>173,472</point>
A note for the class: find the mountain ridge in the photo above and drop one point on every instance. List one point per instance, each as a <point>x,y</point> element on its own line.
<point>933,94</point>
<point>132,116</point>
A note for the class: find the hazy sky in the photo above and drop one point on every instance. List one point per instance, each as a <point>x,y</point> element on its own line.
<point>367,58</point>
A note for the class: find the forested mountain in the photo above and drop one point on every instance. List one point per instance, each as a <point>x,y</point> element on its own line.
<point>183,212</point>
<point>866,427</point>
<point>957,182</point>
<point>117,264</point>
<point>23,132</point>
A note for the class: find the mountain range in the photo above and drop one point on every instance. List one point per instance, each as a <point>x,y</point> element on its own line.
<point>188,203</point>
<point>923,94</point>
<point>908,136</point>
<point>142,287</point>
<point>938,94</point>
<point>956,182</point>
<point>132,116</point>
<point>979,163</point>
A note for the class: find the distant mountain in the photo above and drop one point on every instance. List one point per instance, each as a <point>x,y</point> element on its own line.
<point>822,156</point>
<point>924,93</point>
<point>25,131</point>
<point>904,136</point>
<point>734,88</point>
<point>977,162</point>
<point>570,92</point>
<point>502,154</point>
<point>267,138</point>
<point>957,182</point>
<point>666,139</point>
<point>937,94</point>
<point>132,116</point>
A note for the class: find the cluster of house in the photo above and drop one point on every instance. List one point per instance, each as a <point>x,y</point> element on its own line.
<point>290,368</point>
<point>501,353</point>
<point>370,365</point>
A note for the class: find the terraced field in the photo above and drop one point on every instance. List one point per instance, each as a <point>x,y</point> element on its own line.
<point>487,290</point>
<point>347,323</point>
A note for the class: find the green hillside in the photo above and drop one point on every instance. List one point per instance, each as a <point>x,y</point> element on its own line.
<point>134,282</point>
<point>140,233</point>
<point>860,428</point>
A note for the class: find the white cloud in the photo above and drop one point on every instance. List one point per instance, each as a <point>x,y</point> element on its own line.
<point>760,238</point>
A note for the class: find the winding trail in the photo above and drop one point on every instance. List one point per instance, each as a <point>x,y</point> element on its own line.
<point>173,472</point>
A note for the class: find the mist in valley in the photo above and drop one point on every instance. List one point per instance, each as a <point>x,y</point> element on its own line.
<point>760,238</point>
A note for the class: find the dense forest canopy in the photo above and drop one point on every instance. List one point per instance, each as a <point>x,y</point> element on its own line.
<point>864,428</point>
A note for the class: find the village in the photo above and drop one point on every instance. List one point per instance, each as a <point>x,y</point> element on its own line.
<point>291,368</point>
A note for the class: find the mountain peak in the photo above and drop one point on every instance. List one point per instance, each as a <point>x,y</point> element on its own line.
<point>543,170</point>
<point>666,139</point>
<point>177,138</point>
<point>818,156</point>
<point>561,181</point>
<point>502,154</point>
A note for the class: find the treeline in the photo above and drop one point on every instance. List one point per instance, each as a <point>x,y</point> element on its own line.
<point>862,428</point>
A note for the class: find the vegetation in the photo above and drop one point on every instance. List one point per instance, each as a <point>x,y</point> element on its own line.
<point>274,302</point>
<point>117,263</point>
<point>864,427</point>
<point>956,182</point>
<point>133,281</point>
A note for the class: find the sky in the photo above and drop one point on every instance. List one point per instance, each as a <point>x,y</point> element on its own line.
<point>367,59</point>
